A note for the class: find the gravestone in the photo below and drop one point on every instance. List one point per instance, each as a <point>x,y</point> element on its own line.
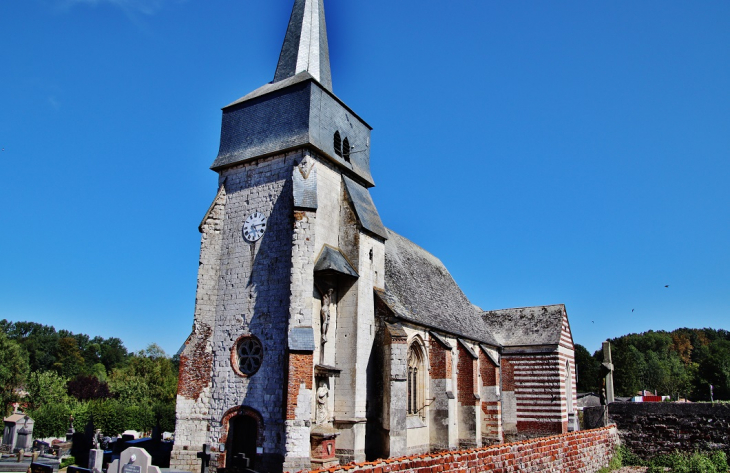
<point>133,460</point>
<point>96,460</point>
<point>77,469</point>
<point>40,468</point>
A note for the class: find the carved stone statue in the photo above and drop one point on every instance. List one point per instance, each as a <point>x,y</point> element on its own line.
<point>322,413</point>
<point>325,313</point>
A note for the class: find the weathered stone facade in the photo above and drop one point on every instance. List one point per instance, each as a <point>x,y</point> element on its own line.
<point>326,336</point>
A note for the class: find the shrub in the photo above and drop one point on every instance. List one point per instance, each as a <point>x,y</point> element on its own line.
<point>51,420</point>
<point>140,418</point>
<point>66,462</point>
<point>165,415</point>
<point>719,459</point>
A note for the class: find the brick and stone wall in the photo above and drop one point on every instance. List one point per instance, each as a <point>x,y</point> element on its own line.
<point>651,428</point>
<point>576,452</point>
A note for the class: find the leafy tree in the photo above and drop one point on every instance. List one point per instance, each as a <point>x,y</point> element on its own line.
<point>149,376</point>
<point>111,352</point>
<point>588,370</point>
<point>42,344</point>
<point>86,388</point>
<point>70,362</point>
<point>39,341</point>
<point>45,387</point>
<point>13,370</point>
<point>715,370</point>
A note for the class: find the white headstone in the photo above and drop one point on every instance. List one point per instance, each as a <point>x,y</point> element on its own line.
<point>133,460</point>
<point>96,460</point>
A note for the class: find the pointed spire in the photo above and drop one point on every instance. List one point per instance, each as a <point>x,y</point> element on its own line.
<point>305,44</point>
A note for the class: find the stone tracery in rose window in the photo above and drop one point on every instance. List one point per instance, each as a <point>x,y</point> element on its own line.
<point>250,355</point>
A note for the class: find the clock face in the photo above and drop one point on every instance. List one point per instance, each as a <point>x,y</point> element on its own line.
<point>254,226</point>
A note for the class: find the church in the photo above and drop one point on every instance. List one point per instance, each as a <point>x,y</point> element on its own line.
<point>322,337</point>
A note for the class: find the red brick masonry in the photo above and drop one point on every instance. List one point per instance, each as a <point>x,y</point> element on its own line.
<point>581,452</point>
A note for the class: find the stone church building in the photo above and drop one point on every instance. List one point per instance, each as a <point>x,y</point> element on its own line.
<point>322,336</point>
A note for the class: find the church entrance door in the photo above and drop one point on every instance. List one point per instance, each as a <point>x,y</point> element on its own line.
<point>241,445</point>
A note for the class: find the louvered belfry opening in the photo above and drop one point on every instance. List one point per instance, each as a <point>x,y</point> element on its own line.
<point>346,149</point>
<point>338,144</point>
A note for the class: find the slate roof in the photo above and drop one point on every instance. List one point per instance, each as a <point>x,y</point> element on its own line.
<point>419,288</point>
<point>526,326</point>
<point>365,209</point>
<point>331,260</point>
<point>305,45</point>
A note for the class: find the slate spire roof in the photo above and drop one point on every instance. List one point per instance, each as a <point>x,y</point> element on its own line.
<point>305,44</point>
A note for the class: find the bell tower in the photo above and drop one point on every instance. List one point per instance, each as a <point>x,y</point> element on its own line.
<point>291,249</point>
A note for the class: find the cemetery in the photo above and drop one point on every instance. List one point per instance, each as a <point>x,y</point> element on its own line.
<point>83,451</point>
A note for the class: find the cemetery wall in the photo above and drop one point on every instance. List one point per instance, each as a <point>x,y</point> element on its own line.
<point>576,452</point>
<point>651,428</point>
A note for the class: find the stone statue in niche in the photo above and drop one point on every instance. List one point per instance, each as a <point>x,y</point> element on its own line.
<point>322,413</point>
<point>325,313</point>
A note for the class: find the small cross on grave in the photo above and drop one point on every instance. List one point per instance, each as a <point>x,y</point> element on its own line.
<point>204,458</point>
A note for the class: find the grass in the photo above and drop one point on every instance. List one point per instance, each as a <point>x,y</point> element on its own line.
<point>677,462</point>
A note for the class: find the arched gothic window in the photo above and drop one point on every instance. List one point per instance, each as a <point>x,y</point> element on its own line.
<point>346,149</point>
<point>338,144</point>
<point>416,380</point>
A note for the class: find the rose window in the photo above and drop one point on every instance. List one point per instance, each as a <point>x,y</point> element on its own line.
<point>250,355</point>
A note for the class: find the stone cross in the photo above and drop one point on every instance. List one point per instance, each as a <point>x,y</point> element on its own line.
<point>204,456</point>
<point>607,375</point>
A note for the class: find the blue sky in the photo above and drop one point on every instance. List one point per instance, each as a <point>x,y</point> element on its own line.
<point>579,150</point>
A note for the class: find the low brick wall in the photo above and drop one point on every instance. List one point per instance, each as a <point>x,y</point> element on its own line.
<point>651,428</point>
<point>577,452</point>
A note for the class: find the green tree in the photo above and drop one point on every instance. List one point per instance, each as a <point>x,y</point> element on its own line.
<point>70,361</point>
<point>588,370</point>
<point>13,370</point>
<point>45,387</point>
<point>149,376</point>
<point>715,370</point>
<point>39,341</point>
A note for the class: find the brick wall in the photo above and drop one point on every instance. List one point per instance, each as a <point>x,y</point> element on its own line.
<point>577,452</point>
<point>300,373</point>
<point>438,355</point>
<point>465,378</point>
